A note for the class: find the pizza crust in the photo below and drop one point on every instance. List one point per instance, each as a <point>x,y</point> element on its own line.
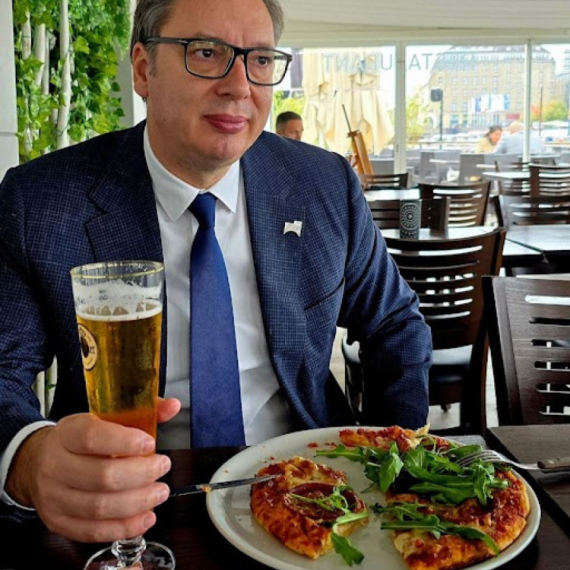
<point>275,511</point>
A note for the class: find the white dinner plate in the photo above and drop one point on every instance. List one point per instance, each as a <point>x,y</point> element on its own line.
<point>230,512</point>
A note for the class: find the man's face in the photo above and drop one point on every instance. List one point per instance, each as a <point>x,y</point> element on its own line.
<point>293,129</point>
<point>199,127</point>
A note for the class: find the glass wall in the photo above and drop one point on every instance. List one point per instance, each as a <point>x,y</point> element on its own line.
<point>341,90</point>
<point>550,101</point>
<point>453,94</point>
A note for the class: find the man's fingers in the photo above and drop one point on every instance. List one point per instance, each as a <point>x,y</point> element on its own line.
<point>86,434</point>
<point>108,506</point>
<point>84,530</point>
<point>111,474</point>
<point>167,409</point>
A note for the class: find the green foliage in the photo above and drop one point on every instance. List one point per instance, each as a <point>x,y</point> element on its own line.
<point>555,111</point>
<point>416,117</point>
<point>281,103</point>
<point>96,28</point>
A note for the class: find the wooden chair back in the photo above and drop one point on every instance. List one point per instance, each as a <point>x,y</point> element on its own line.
<point>446,275</point>
<point>529,210</point>
<point>549,180</point>
<point>468,201</point>
<point>510,187</point>
<point>379,181</point>
<point>529,333</point>
<point>435,213</point>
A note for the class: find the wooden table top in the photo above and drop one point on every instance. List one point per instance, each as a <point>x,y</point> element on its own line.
<point>528,444</point>
<point>514,254</point>
<point>548,239</point>
<point>184,526</point>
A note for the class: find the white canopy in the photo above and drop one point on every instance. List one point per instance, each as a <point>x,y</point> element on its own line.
<point>319,23</point>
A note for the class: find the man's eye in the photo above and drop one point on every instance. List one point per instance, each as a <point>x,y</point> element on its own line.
<point>263,61</point>
<point>205,53</point>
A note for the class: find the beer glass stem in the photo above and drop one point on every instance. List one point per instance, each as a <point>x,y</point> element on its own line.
<point>128,552</point>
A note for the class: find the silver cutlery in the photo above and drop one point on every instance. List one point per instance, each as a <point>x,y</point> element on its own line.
<point>207,487</point>
<point>490,456</point>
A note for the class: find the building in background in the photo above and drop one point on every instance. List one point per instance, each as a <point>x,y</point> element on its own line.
<point>483,86</point>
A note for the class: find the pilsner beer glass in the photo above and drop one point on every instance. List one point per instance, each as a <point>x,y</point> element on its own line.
<point>119,315</point>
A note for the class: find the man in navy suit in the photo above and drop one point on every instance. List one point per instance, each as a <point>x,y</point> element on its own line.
<point>302,253</point>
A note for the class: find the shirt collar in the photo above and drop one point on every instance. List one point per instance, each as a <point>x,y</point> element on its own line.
<point>175,195</point>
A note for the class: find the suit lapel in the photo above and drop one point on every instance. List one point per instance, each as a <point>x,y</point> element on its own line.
<point>127,227</point>
<point>271,203</point>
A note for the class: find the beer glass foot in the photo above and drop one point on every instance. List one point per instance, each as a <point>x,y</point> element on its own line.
<point>155,557</point>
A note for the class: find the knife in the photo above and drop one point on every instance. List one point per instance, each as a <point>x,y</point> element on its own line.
<point>207,487</point>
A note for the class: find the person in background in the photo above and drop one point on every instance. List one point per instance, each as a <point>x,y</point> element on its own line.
<point>289,124</point>
<point>490,140</point>
<point>291,240</point>
<point>513,144</point>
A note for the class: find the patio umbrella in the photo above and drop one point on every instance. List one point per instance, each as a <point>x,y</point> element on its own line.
<point>356,86</point>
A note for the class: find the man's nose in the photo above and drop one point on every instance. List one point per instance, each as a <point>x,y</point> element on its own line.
<point>235,83</point>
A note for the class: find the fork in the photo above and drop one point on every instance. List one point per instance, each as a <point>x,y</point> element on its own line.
<point>490,456</point>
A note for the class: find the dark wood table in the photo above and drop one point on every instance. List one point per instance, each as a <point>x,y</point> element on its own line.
<point>514,254</point>
<point>184,526</point>
<point>528,444</point>
<point>552,239</point>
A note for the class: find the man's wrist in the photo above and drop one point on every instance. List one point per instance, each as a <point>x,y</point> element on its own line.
<point>20,482</point>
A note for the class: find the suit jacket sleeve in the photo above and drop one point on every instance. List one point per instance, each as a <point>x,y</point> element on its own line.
<point>24,350</point>
<point>381,312</point>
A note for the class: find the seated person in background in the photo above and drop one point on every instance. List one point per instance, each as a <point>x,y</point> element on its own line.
<point>513,144</point>
<point>490,140</point>
<point>289,124</point>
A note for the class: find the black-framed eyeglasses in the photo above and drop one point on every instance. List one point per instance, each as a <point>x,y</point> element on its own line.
<point>213,59</point>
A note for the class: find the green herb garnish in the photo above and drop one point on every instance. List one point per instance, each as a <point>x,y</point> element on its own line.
<point>336,501</point>
<point>407,516</point>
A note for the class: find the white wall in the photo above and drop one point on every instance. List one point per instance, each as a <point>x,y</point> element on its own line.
<point>8,122</point>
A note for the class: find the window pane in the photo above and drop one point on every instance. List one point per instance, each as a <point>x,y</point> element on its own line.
<point>443,121</point>
<point>324,83</point>
<point>550,101</point>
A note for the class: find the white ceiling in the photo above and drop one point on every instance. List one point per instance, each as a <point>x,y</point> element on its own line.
<point>310,22</point>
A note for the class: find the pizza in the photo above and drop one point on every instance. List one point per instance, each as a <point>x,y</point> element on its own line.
<point>443,516</point>
<point>464,532</point>
<point>304,526</point>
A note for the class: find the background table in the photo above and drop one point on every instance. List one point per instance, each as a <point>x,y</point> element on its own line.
<point>184,526</point>
<point>528,444</point>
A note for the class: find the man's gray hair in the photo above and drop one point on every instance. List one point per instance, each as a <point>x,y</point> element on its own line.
<point>151,15</point>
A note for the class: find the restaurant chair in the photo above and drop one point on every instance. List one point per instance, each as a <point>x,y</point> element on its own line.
<point>434,213</point>
<point>468,201</point>
<point>529,210</point>
<point>469,170</point>
<point>380,181</point>
<point>446,275</point>
<point>529,336</point>
<point>550,180</point>
<point>513,164</point>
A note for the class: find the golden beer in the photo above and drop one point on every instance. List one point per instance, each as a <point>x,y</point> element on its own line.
<point>121,360</point>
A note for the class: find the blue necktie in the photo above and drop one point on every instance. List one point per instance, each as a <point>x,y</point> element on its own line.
<point>214,374</point>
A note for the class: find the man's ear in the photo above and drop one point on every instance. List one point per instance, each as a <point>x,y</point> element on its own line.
<point>141,69</point>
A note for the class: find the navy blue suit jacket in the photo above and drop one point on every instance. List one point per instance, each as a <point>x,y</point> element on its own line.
<point>94,202</point>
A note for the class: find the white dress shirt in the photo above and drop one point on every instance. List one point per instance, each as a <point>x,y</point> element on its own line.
<point>266,413</point>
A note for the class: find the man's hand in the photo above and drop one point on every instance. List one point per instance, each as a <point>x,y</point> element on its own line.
<point>92,480</point>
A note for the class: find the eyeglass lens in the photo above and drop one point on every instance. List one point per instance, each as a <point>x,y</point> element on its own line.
<point>211,59</point>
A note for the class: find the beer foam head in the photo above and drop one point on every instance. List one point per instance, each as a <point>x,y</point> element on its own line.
<point>116,300</point>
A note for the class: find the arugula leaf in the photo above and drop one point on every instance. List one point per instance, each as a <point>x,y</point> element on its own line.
<point>336,501</point>
<point>390,468</point>
<point>408,516</point>
<point>344,547</point>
